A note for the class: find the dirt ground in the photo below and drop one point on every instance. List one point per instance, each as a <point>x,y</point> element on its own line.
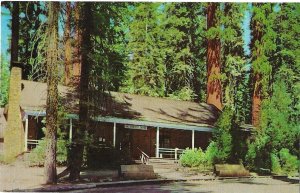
<point>19,176</point>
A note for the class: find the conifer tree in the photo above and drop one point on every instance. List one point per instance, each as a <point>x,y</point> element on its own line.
<point>76,154</point>
<point>52,93</point>
<point>262,45</point>
<point>145,69</point>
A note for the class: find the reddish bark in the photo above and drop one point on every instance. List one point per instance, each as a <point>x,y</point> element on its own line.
<point>77,54</point>
<point>214,87</point>
<point>257,91</point>
<point>68,49</point>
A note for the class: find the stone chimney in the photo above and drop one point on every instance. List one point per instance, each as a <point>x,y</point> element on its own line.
<point>14,132</point>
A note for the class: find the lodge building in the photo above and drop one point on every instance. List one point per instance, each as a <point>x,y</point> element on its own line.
<point>156,126</point>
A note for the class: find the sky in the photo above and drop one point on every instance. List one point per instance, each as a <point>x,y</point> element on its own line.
<point>6,32</point>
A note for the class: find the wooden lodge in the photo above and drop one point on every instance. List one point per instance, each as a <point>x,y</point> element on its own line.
<point>156,126</point>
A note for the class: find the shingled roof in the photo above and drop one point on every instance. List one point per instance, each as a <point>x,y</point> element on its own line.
<point>123,105</point>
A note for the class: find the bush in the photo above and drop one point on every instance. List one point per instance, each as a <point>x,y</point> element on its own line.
<point>193,158</point>
<point>211,153</point>
<point>37,155</point>
<point>289,162</point>
<point>276,167</point>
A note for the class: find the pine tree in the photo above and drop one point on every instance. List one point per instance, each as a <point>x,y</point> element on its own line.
<point>233,60</point>
<point>286,57</point>
<point>262,45</point>
<point>145,69</point>
<point>52,93</point>
<point>182,24</point>
<point>76,158</point>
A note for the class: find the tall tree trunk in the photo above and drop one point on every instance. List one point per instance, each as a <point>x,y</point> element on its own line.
<point>52,93</point>
<point>68,48</point>
<point>214,87</point>
<point>257,77</point>
<point>78,145</point>
<point>77,54</point>
<point>15,33</point>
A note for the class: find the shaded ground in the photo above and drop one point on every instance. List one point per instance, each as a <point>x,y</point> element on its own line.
<point>254,185</point>
<point>19,176</point>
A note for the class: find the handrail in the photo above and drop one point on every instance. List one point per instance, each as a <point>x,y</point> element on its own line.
<point>144,157</point>
<point>171,151</point>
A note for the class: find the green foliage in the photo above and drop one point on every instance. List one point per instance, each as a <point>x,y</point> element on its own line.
<point>258,155</point>
<point>185,94</point>
<point>37,155</point>
<point>4,82</point>
<point>193,158</point>
<point>289,162</point>
<point>222,136</point>
<point>276,167</point>
<point>166,44</point>
<point>277,131</point>
<point>276,119</point>
<point>211,153</point>
<point>285,163</point>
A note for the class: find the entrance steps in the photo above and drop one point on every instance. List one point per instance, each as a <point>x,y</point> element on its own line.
<point>163,163</point>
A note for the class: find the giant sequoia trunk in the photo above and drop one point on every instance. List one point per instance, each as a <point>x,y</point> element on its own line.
<point>76,156</point>
<point>15,33</point>
<point>214,87</point>
<point>52,93</point>
<point>77,51</point>
<point>68,48</point>
<point>257,90</point>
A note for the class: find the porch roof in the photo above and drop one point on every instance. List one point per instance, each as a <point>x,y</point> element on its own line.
<point>125,108</point>
<point>131,122</point>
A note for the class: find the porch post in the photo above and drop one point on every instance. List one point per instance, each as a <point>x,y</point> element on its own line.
<point>157,142</point>
<point>70,131</point>
<point>193,139</point>
<point>26,133</point>
<point>115,129</point>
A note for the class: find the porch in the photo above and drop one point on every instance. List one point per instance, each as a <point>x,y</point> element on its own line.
<point>160,140</point>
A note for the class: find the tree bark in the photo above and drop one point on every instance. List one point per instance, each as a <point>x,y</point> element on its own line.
<point>257,77</point>
<point>52,93</point>
<point>14,33</point>
<point>78,145</point>
<point>214,87</point>
<point>77,54</point>
<point>68,48</point>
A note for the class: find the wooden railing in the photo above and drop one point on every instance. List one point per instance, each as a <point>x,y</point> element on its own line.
<point>170,152</point>
<point>144,157</point>
<point>32,142</point>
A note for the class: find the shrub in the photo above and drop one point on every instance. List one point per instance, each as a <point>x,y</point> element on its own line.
<point>289,162</point>
<point>37,155</point>
<point>193,158</point>
<point>211,153</point>
<point>276,167</point>
<point>222,136</point>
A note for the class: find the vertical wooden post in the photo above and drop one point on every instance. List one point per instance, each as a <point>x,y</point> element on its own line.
<point>115,132</point>
<point>193,139</point>
<point>71,130</point>
<point>157,142</point>
<point>26,133</point>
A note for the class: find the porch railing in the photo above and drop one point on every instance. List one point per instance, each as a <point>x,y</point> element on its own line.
<point>144,157</point>
<point>170,152</point>
<point>32,142</point>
